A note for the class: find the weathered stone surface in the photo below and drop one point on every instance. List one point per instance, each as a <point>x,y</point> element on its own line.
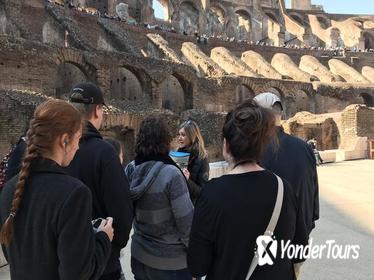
<point>312,66</point>
<point>284,65</point>
<point>348,73</point>
<point>162,44</point>
<point>260,66</point>
<point>368,73</point>
<point>230,63</point>
<point>203,63</point>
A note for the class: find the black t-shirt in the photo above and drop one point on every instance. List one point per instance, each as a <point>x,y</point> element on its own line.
<point>230,214</point>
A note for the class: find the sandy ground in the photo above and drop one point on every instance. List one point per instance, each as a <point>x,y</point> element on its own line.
<point>347,216</point>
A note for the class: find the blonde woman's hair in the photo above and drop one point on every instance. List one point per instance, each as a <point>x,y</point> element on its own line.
<point>193,133</point>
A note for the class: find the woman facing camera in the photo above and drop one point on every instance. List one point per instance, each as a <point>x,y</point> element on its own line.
<point>234,209</point>
<point>45,214</point>
<point>163,208</point>
<point>191,141</point>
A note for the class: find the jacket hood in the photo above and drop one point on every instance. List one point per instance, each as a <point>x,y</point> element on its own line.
<point>143,177</point>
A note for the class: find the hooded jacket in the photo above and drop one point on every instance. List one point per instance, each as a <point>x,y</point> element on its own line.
<point>163,215</point>
<point>97,165</point>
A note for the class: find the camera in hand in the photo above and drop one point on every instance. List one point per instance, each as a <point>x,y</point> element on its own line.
<point>96,223</point>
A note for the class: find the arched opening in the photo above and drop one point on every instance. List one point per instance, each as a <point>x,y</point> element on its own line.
<point>244,24</point>
<point>299,20</point>
<point>173,97</point>
<point>325,23</point>
<point>368,99</point>
<point>297,102</point>
<point>220,13</point>
<point>161,9</point>
<point>188,17</point>
<point>369,40</point>
<point>243,92</point>
<point>272,17</point>
<point>215,21</point>
<point>125,85</point>
<point>68,75</point>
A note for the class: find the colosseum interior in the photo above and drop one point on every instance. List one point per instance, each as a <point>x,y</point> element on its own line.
<point>201,59</point>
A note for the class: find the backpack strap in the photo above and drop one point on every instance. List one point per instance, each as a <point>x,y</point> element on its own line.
<point>272,224</point>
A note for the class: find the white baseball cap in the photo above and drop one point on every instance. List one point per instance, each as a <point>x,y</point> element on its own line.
<point>267,100</point>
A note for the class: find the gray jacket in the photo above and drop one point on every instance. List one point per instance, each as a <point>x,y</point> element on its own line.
<point>163,215</point>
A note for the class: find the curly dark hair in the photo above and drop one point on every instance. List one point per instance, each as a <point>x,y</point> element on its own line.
<point>153,139</point>
<point>248,129</point>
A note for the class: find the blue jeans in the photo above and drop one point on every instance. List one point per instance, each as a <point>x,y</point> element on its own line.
<point>144,272</point>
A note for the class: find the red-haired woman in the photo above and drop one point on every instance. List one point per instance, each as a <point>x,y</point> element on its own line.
<point>45,214</point>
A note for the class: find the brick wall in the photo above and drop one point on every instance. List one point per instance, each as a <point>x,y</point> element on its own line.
<point>15,114</point>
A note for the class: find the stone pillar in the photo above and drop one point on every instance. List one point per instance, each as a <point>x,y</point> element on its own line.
<point>301,4</point>
<point>146,12</point>
<point>156,95</point>
<point>281,36</point>
<point>103,81</point>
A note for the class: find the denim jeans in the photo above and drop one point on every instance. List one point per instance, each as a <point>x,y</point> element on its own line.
<point>144,272</point>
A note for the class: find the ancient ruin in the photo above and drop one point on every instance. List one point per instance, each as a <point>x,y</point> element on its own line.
<point>201,59</point>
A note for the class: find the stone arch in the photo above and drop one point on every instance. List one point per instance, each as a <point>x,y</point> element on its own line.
<point>165,7</point>
<point>188,16</point>
<point>172,94</point>
<point>126,84</point>
<point>68,75</point>
<point>299,19</point>
<point>369,40</point>
<point>220,11</point>
<point>272,16</point>
<point>297,101</point>
<point>244,92</point>
<point>324,21</point>
<point>245,23</point>
<point>77,59</point>
<point>368,99</point>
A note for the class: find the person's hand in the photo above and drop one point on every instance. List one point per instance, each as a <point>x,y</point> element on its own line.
<point>107,227</point>
<point>193,278</point>
<point>186,173</point>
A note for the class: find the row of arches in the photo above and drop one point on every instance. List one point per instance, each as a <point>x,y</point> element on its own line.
<point>217,20</point>
<point>130,86</point>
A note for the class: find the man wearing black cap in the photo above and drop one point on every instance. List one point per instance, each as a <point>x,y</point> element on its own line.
<point>97,165</point>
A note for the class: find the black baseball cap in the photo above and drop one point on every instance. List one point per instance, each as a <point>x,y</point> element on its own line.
<point>86,93</point>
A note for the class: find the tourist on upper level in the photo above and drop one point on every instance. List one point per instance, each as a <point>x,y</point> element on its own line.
<point>163,208</point>
<point>235,209</point>
<point>294,161</point>
<point>191,141</point>
<point>45,214</point>
<point>98,166</point>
